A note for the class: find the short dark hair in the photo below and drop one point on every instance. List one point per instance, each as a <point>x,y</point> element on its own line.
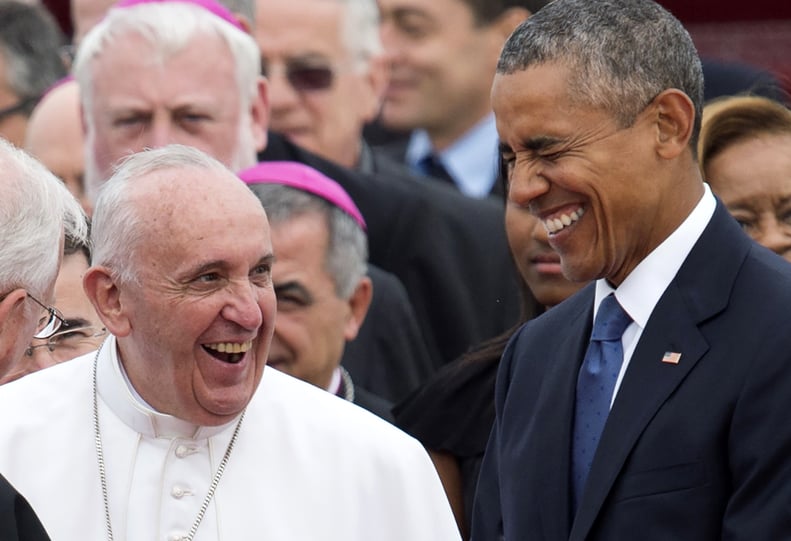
<point>622,53</point>
<point>30,43</point>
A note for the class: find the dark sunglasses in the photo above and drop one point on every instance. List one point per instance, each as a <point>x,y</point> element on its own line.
<point>305,78</point>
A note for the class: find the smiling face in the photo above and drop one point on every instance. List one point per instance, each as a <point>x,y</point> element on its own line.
<point>190,98</point>
<point>194,333</point>
<point>308,34</point>
<point>442,66</point>
<point>753,179</point>
<point>592,183</point>
<point>313,322</point>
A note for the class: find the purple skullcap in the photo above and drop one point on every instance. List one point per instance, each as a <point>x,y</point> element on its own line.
<point>210,5</point>
<point>305,178</point>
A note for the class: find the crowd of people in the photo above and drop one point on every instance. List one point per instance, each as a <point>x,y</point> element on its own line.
<point>395,269</point>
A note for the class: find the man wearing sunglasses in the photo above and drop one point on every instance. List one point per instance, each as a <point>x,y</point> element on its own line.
<point>35,210</point>
<point>326,71</point>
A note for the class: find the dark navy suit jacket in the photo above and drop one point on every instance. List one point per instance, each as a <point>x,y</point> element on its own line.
<point>698,450</point>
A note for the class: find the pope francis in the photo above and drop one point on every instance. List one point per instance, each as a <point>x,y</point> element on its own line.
<point>174,429</point>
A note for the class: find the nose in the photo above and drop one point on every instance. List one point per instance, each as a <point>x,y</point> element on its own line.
<point>527,182</point>
<point>161,133</point>
<point>242,306</point>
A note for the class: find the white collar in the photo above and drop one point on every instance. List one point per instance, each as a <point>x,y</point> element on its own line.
<point>641,290</point>
<point>117,392</point>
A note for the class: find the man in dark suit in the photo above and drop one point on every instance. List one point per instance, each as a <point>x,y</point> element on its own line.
<point>598,109</point>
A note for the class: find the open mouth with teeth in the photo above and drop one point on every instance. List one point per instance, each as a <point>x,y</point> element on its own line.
<point>559,223</point>
<point>228,352</point>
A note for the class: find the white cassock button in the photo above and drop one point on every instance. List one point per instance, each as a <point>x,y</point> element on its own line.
<point>177,537</point>
<point>177,492</point>
<point>182,451</point>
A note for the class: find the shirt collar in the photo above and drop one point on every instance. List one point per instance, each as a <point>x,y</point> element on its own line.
<point>117,392</point>
<point>641,290</point>
<point>472,160</point>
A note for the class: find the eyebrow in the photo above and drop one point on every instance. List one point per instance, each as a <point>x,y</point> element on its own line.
<point>540,142</point>
<point>221,264</point>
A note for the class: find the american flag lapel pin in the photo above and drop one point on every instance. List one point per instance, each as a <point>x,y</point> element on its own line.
<point>671,357</point>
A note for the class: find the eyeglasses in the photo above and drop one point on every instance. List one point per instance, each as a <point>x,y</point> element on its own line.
<point>304,77</point>
<point>50,324</point>
<point>68,339</point>
<point>22,106</point>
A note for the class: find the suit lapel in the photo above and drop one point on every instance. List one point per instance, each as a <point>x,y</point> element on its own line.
<point>693,296</point>
<point>647,384</point>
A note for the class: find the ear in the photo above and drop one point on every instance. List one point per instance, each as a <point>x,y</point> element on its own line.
<point>105,295</point>
<point>11,308</point>
<point>259,114</point>
<point>378,77</point>
<point>359,303</point>
<point>675,120</point>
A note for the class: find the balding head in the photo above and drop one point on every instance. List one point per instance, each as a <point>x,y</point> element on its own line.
<point>54,136</point>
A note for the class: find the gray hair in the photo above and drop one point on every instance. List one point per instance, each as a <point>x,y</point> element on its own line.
<point>118,223</point>
<point>622,54</point>
<point>30,42</point>
<point>347,249</point>
<point>36,210</point>
<point>168,27</point>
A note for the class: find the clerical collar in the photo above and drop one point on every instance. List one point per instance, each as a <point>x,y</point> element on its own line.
<point>117,392</point>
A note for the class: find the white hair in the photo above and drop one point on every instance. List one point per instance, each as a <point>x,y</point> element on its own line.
<point>36,210</point>
<point>168,27</point>
<point>118,223</point>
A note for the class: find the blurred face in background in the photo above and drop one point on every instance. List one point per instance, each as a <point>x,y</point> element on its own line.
<point>753,179</point>
<point>538,264</point>
<point>321,93</point>
<point>442,64</point>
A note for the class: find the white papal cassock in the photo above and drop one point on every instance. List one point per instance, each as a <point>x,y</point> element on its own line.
<point>307,466</point>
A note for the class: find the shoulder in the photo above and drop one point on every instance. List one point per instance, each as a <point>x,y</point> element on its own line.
<point>297,409</point>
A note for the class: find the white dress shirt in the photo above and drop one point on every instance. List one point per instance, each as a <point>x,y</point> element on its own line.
<point>640,292</point>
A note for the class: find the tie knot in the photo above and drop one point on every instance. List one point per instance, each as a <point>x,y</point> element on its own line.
<point>432,166</point>
<point>611,320</point>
